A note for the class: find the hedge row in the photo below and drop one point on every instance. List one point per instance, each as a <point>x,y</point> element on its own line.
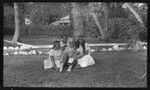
<point>50,30</point>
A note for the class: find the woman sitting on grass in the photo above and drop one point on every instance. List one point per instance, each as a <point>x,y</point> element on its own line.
<point>55,57</point>
<point>84,58</point>
<point>64,42</point>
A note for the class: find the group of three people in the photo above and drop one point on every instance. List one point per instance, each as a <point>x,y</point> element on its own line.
<point>69,52</point>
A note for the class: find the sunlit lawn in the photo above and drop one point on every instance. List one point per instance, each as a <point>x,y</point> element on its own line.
<point>112,69</point>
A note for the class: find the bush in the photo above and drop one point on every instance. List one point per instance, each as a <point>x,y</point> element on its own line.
<point>51,30</point>
<point>91,30</point>
<point>118,29</point>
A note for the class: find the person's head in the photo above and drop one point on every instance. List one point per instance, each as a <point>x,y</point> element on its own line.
<point>56,45</point>
<point>64,37</point>
<point>71,42</point>
<point>81,39</point>
<point>80,42</point>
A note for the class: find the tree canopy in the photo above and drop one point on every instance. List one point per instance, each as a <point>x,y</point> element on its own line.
<point>120,19</point>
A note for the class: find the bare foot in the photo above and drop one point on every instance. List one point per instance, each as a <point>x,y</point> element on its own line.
<point>61,69</point>
<point>70,68</point>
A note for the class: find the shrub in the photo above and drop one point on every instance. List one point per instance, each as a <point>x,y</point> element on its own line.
<point>51,30</point>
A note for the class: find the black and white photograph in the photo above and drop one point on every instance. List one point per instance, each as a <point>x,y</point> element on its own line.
<point>75,44</point>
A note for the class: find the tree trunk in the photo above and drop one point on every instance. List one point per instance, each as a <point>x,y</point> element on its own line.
<point>135,14</point>
<point>101,30</point>
<point>17,24</point>
<point>136,44</point>
<point>106,17</point>
<point>99,26</point>
<point>77,20</point>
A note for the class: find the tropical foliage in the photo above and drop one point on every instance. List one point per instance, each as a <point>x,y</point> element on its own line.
<point>121,23</point>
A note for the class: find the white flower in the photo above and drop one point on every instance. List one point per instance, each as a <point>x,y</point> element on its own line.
<point>15,53</point>
<point>39,52</point>
<point>17,48</point>
<point>115,47</point>
<point>47,52</point>
<point>32,52</point>
<point>20,52</point>
<point>11,48</point>
<point>92,50</point>
<point>103,49</point>
<point>24,47</point>
<point>109,49</point>
<point>5,48</point>
<point>6,54</point>
<point>25,53</point>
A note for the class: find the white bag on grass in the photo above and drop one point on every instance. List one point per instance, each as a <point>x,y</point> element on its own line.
<point>48,63</point>
<point>86,60</point>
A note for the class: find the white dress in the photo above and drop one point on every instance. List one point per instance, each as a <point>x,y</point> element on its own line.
<point>57,56</point>
<point>86,60</point>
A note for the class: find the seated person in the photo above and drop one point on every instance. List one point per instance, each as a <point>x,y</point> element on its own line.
<point>69,55</point>
<point>55,57</point>
<point>84,59</point>
<point>64,42</point>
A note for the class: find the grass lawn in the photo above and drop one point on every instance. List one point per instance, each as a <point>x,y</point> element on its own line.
<point>112,69</point>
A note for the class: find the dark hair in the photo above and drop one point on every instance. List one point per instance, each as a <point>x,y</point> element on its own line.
<point>77,44</point>
<point>54,43</point>
<point>64,36</point>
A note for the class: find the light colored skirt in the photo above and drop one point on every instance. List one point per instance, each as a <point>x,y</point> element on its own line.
<point>86,60</point>
<point>48,63</point>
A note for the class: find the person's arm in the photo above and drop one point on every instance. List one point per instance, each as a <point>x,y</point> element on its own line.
<point>51,56</point>
<point>77,55</point>
<point>53,61</point>
<point>87,49</point>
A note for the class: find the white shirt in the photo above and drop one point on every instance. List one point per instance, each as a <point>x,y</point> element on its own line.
<point>56,53</point>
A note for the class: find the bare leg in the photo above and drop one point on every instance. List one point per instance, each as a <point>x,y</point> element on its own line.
<point>70,68</point>
<point>72,65</point>
<point>65,57</point>
<point>61,67</point>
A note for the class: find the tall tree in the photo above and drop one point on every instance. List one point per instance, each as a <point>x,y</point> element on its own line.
<point>135,38</point>
<point>138,17</point>
<point>101,10</point>
<point>77,19</point>
<point>17,24</point>
<point>105,9</point>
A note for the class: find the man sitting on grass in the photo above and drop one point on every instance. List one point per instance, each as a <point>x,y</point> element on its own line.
<point>70,55</point>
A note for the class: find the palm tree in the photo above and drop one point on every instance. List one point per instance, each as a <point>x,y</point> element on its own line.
<point>17,24</point>
<point>77,19</point>
<point>135,44</point>
<point>95,17</point>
